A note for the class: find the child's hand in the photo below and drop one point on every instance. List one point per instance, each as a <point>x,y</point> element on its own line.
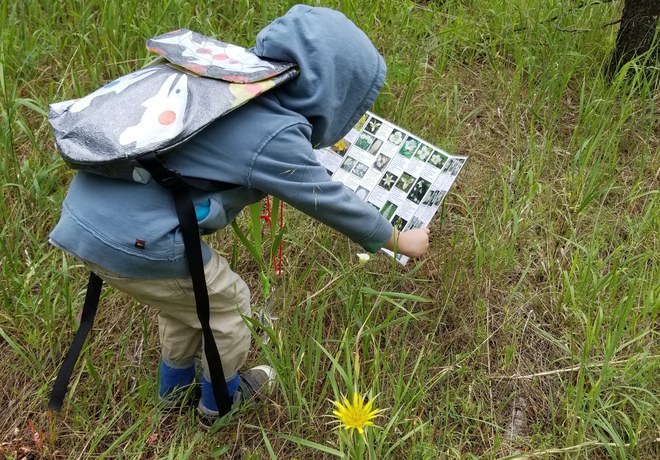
<point>415,242</point>
<point>412,243</point>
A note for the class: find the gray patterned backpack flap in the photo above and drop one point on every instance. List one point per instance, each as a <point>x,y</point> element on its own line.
<point>196,81</point>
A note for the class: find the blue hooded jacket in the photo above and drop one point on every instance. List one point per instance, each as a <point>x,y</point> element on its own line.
<point>265,147</point>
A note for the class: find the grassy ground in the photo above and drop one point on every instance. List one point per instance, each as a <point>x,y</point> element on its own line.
<point>531,329</point>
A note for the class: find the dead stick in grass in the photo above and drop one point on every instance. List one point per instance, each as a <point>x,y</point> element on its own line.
<point>580,446</point>
<point>561,371</point>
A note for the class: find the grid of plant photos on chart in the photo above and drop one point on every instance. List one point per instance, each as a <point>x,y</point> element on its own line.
<point>403,176</point>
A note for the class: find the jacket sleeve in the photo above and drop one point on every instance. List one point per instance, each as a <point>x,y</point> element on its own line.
<point>286,167</point>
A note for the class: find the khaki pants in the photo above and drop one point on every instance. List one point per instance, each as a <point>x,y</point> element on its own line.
<point>180,330</point>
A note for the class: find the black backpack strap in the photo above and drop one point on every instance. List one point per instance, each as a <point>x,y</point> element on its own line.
<point>185,209</point>
<point>86,320</point>
<point>207,185</point>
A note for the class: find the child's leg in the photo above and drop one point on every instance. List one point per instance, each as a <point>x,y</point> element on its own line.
<point>177,365</point>
<point>179,327</point>
<point>229,301</point>
<point>180,330</point>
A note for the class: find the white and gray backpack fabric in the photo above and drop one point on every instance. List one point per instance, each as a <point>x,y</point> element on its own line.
<point>195,81</point>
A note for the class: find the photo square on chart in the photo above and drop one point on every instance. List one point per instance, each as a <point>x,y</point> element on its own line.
<point>399,223</point>
<point>415,223</point>
<point>409,147</point>
<point>372,125</point>
<point>381,162</point>
<point>364,141</point>
<point>418,191</point>
<point>341,147</point>
<point>360,170</point>
<point>358,126</point>
<point>396,137</point>
<point>454,166</point>
<point>423,152</point>
<point>388,210</point>
<point>437,159</point>
<point>348,164</point>
<point>375,147</point>
<point>438,198</point>
<point>388,181</point>
<point>428,200</point>
<point>405,182</point>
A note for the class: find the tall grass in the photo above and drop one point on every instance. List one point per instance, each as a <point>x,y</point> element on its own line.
<point>529,331</point>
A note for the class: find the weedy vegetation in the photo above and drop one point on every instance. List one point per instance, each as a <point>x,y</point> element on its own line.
<point>530,331</point>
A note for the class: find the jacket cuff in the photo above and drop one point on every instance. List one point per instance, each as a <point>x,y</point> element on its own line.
<point>378,238</point>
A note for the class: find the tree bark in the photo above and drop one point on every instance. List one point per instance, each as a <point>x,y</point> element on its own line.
<point>638,23</point>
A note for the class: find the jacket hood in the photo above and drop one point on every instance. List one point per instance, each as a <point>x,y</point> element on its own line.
<point>341,72</point>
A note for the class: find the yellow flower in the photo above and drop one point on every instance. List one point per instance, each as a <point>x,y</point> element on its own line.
<point>341,145</point>
<point>356,415</point>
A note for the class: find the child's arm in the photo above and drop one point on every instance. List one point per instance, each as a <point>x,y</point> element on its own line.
<point>288,169</point>
<point>412,243</point>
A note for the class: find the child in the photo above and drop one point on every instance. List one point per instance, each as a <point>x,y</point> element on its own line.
<point>128,233</point>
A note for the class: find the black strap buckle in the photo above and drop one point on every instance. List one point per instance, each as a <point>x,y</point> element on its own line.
<point>165,177</point>
<point>169,178</point>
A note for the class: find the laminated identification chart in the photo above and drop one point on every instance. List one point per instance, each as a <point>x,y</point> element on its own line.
<point>403,176</point>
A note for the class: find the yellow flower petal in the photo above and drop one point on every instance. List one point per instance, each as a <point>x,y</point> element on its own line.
<point>355,414</point>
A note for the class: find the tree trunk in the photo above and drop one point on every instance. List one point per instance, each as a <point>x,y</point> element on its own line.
<point>638,23</point>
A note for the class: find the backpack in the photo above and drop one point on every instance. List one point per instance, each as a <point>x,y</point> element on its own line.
<point>195,81</point>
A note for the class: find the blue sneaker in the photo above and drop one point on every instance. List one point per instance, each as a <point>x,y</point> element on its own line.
<point>249,386</point>
<point>174,384</point>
